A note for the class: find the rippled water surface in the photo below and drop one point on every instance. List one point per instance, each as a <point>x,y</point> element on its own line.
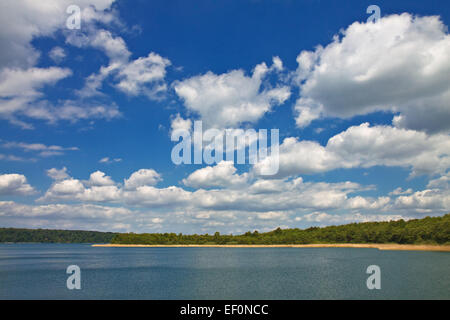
<point>38,271</point>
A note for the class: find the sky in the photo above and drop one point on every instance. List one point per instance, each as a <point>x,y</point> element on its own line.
<point>89,103</point>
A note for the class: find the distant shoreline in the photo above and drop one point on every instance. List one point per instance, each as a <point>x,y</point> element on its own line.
<point>381,246</point>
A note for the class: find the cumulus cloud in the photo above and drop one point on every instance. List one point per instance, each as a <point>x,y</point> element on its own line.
<point>287,195</point>
<point>74,190</point>
<point>99,179</point>
<point>67,216</point>
<point>365,146</point>
<point>14,184</point>
<point>20,95</point>
<point>135,76</point>
<point>21,21</point>
<point>443,182</point>
<point>21,83</point>
<point>178,123</point>
<point>142,76</point>
<point>433,200</point>
<point>425,201</point>
<point>151,197</point>
<point>114,47</point>
<point>222,175</point>
<point>260,195</point>
<point>10,208</point>
<point>20,87</point>
<point>142,177</point>
<point>265,204</point>
<point>359,202</point>
<point>26,82</point>
<point>58,174</point>
<point>399,64</point>
<point>231,98</point>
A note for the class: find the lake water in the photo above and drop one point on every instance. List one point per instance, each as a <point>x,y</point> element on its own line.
<point>38,271</point>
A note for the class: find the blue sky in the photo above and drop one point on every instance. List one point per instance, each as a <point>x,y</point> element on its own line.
<point>87,114</point>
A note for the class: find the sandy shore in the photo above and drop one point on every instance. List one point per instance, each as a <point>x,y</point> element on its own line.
<point>337,245</point>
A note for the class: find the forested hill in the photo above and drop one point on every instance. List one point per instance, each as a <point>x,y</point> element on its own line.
<point>434,230</point>
<point>54,236</point>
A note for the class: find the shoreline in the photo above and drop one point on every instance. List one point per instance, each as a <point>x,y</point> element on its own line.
<point>381,246</point>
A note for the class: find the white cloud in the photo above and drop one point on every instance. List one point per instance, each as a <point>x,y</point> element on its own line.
<point>398,64</point>
<point>316,217</point>
<point>58,174</point>
<point>263,205</point>
<point>21,21</point>
<point>149,196</point>
<point>25,83</point>
<point>20,82</point>
<point>57,54</point>
<point>67,187</point>
<point>142,177</point>
<point>286,195</point>
<point>231,98</point>
<point>300,157</point>
<point>222,175</point>
<point>384,145</point>
<point>72,189</point>
<point>19,96</point>
<point>442,182</point>
<point>103,193</point>
<point>277,63</point>
<point>359,202</point>
<point>42,149</point>
<point>178,123</point>
<point>10,157</point>
<point>400,191</point>
<point>14,184</point>
<point>135,76</point>
<point>157,220</point>
<point>99,179</point>
<point>143,76</point>
<point>108,160</point>
<point>260,196</point>
<point>10,208</point>
<point>272,215</point>
<point>324,219</point>
<point>20,87</point>
<point>428,201</point>
<point>365,146</point>
<point>73,111</point>
<point>114,47</point>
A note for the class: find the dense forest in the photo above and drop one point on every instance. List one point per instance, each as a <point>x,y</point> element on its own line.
<point>434,230</point>
<point>54,236</point>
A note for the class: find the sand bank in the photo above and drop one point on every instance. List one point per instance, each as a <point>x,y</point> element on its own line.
<point>383,246</point>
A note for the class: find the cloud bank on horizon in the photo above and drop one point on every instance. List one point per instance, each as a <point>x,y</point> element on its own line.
<point>87,115</point>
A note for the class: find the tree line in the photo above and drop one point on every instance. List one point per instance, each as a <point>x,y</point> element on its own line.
<point>54,236</point>
<point>429,230</point>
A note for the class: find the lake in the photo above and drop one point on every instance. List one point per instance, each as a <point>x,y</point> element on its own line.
<point>38,271</point>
